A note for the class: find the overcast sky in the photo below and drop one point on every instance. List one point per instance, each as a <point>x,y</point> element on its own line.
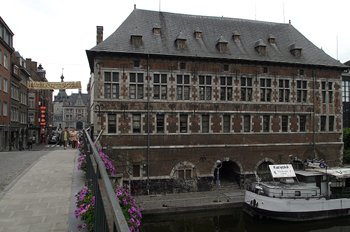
<point>56,33</point>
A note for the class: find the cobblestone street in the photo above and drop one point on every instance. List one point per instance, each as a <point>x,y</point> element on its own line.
<point>13,163</point>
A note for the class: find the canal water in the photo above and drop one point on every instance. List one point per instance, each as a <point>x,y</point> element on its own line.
<point>237,221</point>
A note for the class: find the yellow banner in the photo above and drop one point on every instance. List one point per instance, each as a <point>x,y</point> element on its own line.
<point>54,85</point>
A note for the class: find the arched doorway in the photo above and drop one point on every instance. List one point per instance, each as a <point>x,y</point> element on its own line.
<point>263,170</point>
<point>79,126</point>
<point>230,172</point>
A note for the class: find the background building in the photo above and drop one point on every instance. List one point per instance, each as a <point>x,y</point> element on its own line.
<point>70,111</point>
<point>174,93</point>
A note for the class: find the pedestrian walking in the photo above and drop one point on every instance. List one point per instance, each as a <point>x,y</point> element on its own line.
<point>29,144</point>
<point>20,144</point>
<point>73,137</point>
<point>64,137</point>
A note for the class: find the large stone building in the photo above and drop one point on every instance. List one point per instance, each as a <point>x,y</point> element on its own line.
<point>70,110</point>
<point>174,93</point>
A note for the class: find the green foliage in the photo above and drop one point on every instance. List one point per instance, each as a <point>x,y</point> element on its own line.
<point>346,140</point>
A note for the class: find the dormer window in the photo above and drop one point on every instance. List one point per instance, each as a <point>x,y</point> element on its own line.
<point>15,69</point>
<point>156,30</point>
<point>136,40</point>
<point>272,39</point>
<point>181,41</point>
<point>236,36</point>
<point>296,50</point>
<point>198,33</point>
<point>222,44</point>
<point>260,47</point>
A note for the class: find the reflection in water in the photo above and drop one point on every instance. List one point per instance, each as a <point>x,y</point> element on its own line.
<point>235,220</point>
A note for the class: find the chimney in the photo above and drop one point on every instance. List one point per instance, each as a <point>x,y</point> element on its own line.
<point>99,36</point>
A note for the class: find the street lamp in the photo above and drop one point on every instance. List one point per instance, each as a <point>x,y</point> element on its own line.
<point>218,166</point>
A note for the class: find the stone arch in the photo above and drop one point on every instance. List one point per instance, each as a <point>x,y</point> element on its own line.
<point>213,169</point>
<point>79,125</point>
<point>230,172</point>
<point>183,166</point>
<point>265,160</point>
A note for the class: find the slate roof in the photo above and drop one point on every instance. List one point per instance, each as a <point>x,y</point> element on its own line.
<point>171,25</point>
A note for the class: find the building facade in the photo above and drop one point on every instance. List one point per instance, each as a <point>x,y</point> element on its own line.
<point>6,51</point>
<point>175,93</point>
<point>70,110</point>
<point>40,113</point>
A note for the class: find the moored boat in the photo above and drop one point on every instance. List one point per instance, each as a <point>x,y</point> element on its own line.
<point>295,196</point>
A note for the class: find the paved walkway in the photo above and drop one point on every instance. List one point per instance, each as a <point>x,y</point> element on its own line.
<point>42,198</point>
<point>39,199</point>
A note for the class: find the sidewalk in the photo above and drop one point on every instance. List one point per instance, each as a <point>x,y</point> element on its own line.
<point>40,199</point>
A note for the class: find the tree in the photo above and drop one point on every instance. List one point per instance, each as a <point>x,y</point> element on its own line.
<point>346,140</point>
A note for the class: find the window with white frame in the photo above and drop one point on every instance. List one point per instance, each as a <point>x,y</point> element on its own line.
<point>265,90</point>
<point>136,85</point>
<point>284,90</point>
<point>226,88</point>
<point>284,123</point>
<point>246,123</point>
<point>6,84</point>
<point>160,86</point>
<point>136,123</point>
<point>183,123</point>
<point>5,109</point>
<point>246,89</point>
<point>204,87</point>
<point>302,123</point>
<point>266,123</point>
<point>227,123</point>
<point>31,100</point>
<point>160,123</point>
<point>205,123</point>
<point>112,123</point>
<point>0,53</point>
<point>15,69</point>
<point>0,82</point>
<point>301,91</point>
<point>183,87</point>
<point>14,92</point>
<point>111,85</point>
<point>31,118</point>
<point>23,98</point>
<point>6,61</point>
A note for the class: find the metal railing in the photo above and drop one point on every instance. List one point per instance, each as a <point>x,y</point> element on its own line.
<point>108,214</point>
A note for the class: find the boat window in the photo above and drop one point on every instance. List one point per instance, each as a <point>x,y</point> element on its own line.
<point>297,193</point>
<point>281,193</point>
<point>314,193</point>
